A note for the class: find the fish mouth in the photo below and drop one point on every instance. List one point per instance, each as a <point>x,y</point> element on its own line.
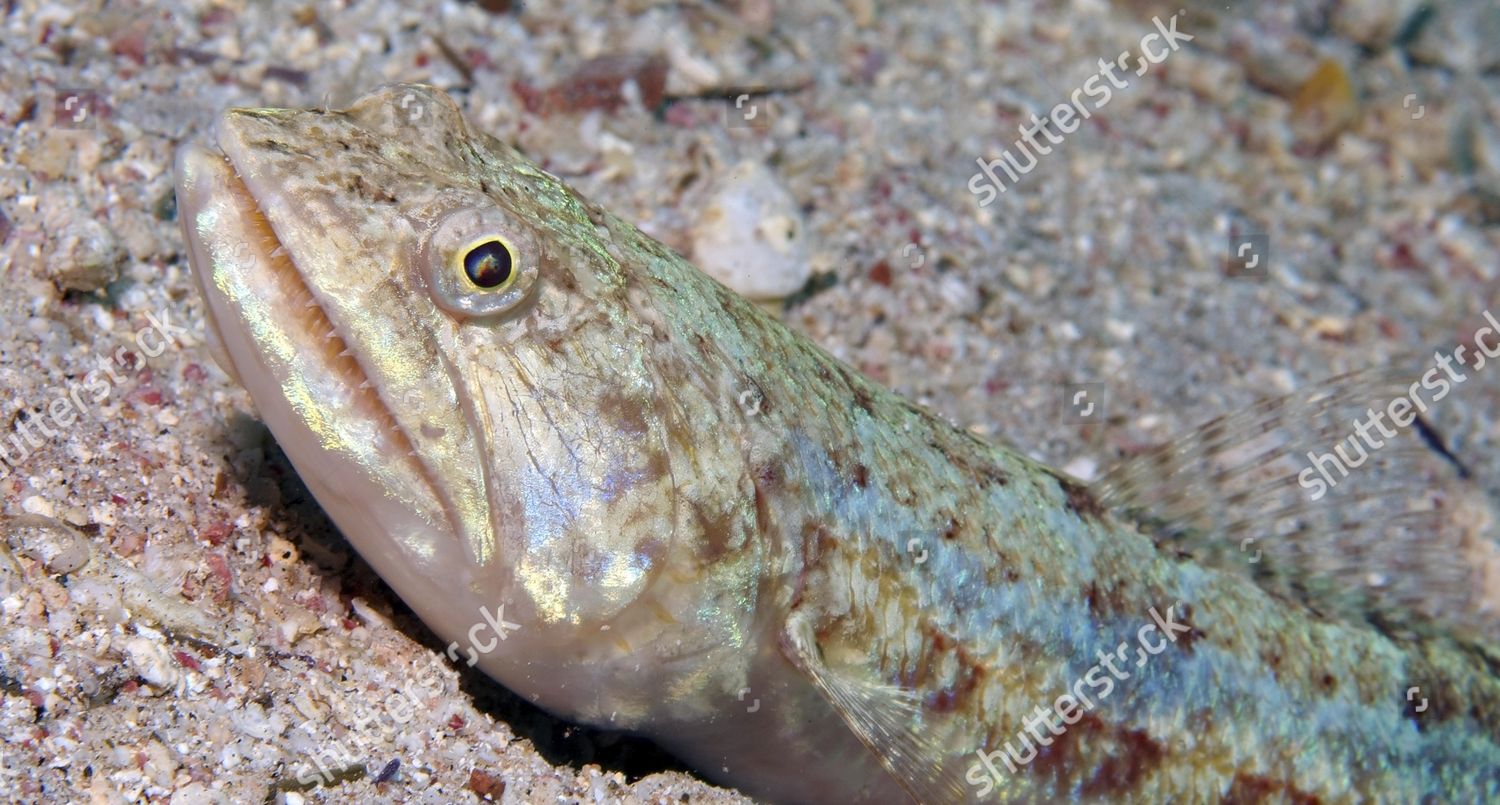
<point>259,248</point>
<point>268,330</point>
<point>250,243</point>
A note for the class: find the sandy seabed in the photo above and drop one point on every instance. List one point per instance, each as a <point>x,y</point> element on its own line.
<point>181,622</point>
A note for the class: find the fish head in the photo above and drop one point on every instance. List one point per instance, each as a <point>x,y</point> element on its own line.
<point>441,340</point>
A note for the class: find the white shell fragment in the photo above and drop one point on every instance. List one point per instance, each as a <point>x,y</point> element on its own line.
<point>750,235</point>
<point>152,662</point>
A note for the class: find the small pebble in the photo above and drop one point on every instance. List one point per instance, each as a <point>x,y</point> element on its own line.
<point>85,256</point>
<point>749,235</point>
<point>1325,105</point>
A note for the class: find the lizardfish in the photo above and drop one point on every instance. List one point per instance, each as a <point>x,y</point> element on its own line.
<point>703,528</point>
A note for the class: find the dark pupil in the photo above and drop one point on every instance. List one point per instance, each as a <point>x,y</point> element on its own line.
<point>488,264</point>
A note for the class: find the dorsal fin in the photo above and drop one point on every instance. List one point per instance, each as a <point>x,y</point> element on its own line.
<point>1292,492</point>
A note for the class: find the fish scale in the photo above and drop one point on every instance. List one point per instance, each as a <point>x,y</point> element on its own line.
<point>709,531</point>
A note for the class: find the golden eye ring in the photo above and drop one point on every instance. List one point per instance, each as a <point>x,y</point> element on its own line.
<point>478,261</point>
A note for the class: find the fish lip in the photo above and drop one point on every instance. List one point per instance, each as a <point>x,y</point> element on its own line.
<point>265,256</point>
<point>185,194</point>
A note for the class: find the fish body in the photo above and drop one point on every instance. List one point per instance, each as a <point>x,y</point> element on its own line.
<point>703,528</point>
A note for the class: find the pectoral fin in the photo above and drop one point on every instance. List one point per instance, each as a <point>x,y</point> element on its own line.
<point>885,718</point>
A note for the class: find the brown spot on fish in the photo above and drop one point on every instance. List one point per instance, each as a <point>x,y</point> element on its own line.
<point>957,695</point>
<point>817,542</point>
<point>564,279</point>
<point>1249,789</point>
<point>1184,616</point>
<point>848,382</point>
<point>1448,700</point>
<point>362,187</point>
<point>275,145</point>
<point>625,413</point>
<point>1080,500</point>
<point>705,349</point>
<point>1122,771</point>
<point>983,474</point>
<point>1132,754</point>
<point>766,480</point>
<point>651,552</point>
<point>861,475</point>
<point>1107,600</point>
<point>716,529</point>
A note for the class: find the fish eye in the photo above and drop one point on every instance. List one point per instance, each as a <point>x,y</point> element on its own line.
<point>479,261</point>
<point>490,264</point>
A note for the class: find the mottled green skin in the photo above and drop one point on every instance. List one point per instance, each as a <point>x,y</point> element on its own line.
<point>1023,581</point>
<point>655,455</point>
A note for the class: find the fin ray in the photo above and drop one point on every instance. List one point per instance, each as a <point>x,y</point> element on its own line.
<point>1400,534</point>
<point>885,718</point>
